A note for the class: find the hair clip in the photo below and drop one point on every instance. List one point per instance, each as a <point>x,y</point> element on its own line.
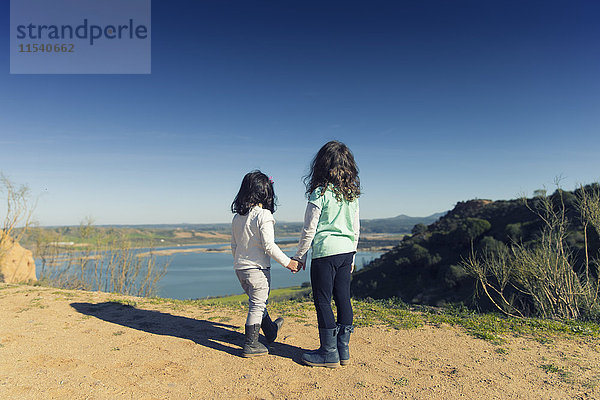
<point>271,180</point>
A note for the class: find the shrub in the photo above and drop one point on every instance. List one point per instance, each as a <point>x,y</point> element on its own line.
<point>541,278</point>
<point>108,263</point>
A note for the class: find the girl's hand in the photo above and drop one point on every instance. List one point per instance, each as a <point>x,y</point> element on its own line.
<point>293,266</point>
<point>352,268</point>
<point>301,265</point>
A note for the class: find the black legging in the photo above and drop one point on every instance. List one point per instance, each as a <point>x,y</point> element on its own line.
<point>331,275</point>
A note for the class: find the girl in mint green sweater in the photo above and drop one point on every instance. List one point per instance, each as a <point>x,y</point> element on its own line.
<point>331,224</point>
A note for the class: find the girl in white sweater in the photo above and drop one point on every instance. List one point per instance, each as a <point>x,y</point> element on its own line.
<point>253,246</point>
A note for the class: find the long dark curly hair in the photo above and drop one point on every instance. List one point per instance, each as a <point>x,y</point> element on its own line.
<point>334,165</point>
<point>256,189</point>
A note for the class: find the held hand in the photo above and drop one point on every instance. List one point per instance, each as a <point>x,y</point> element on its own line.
<point>301,265</point>
<point>293,266</point>
<point>352,268</point>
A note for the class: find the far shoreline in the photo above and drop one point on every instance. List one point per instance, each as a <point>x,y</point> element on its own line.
<point>178,248</point>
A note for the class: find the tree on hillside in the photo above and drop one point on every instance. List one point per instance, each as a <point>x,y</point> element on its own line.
<point>418,229</point>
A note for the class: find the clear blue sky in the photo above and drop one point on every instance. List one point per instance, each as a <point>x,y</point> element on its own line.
<point>440,101</point>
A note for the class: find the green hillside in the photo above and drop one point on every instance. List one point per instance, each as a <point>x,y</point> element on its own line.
<point>427,267</point>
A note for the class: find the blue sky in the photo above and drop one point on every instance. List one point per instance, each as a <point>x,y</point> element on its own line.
<point>440,101</point>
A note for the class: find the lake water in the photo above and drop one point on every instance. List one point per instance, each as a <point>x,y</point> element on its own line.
<point>199,275</point>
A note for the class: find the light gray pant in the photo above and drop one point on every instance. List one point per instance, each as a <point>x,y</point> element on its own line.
<point>256,283</point>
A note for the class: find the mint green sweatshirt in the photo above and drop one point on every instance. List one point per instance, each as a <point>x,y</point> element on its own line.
<point>331,225</point>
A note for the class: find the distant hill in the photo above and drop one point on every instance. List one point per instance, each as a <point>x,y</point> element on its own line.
<point>425,267</point>
<point>400,224</point>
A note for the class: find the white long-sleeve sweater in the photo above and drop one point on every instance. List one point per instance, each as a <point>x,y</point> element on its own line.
<point>253,240</point>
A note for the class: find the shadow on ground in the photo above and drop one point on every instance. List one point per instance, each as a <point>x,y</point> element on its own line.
<point>214,335</point>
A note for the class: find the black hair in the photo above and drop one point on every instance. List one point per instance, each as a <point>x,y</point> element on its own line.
<point>256,189</point>
<point>334,165</point>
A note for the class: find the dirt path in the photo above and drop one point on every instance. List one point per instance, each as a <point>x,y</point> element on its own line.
<point>58,344</point>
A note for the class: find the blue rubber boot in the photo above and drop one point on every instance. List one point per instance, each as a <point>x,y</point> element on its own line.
<point>271,328</point>
<point>327,355</point>
<point>343,341</point>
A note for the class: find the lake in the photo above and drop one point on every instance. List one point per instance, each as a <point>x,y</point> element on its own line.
<point>199,275</point>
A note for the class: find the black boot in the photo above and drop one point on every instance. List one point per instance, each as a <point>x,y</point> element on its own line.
<point>343,340</point>
<point>252,347</point>
<point>327,354</point>
<point>271,328</point>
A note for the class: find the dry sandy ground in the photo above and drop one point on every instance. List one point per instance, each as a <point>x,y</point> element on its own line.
<point>58,344</point>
